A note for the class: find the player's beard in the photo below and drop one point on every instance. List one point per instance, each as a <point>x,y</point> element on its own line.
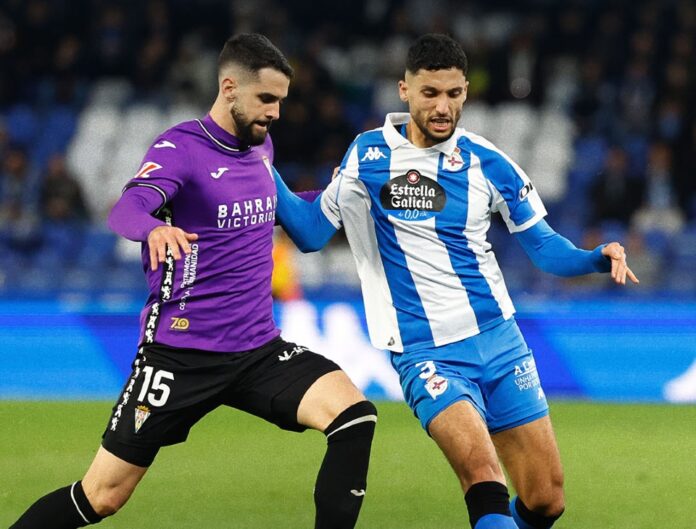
<point>245,127</point>
<point>422,121</point>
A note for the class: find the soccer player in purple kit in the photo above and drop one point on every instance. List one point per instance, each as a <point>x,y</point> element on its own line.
<point>203,204</point>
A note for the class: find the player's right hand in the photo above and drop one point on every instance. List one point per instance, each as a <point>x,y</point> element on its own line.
<point>168,236</point>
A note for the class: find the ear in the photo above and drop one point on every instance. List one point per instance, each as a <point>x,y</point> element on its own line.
<point>228,89</point>
<point>403,91</point>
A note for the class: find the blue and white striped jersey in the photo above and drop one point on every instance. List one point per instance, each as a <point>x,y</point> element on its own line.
<point>416,220</point>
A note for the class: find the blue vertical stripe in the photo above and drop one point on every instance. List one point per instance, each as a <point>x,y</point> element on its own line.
<point>413,322</point>
<point>450,226</point>
<point>504,177</point>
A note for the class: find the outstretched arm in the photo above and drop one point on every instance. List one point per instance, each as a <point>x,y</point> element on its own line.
<point>131,217</point>
<point>555,254</point>
<point>304,221</point>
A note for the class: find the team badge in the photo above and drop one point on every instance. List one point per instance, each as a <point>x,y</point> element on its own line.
<point>454,162</point>
<point>146,169</point>
<point>267,163</point>
<point>436,385</point>
<point>141,415</point>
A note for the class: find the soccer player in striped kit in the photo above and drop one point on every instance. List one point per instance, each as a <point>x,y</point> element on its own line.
<point>415,198</point>
<point>203,204</point>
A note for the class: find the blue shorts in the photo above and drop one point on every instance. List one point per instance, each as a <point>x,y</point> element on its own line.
<point>494,370</point>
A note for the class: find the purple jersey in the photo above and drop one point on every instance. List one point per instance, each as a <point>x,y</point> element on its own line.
<point>217,298</point>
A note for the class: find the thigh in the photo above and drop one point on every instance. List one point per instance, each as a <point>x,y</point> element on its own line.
<point>168,391</point>
<point>432,380</point>
<point>463,437</point>
<point>276,379</point>
<point>530,455</point>
<point>510,382</point>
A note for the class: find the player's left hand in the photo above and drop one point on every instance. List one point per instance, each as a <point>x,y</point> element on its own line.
<point>619,269</point>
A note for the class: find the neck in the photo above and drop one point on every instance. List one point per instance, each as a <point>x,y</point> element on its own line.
<point>416,136</point>
<point>221,115</point>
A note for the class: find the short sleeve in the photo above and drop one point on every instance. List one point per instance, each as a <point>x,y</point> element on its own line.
<point>330,197</point>
<point>514,194</point>
<point>164,167</point>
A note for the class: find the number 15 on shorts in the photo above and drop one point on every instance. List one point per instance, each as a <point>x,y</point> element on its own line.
<point>160,390</point>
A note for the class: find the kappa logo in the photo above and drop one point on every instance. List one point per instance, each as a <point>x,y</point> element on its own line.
<point>146,169</point>
<point>373,154</point>
<point>164,144</point>
<point>179,324</point>
<point>220,172</point>
<point>287,355</point>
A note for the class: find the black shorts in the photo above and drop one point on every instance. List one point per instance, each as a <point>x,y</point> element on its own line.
<point>170,389</point>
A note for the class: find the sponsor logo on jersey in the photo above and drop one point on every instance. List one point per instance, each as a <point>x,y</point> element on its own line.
<point>179,324</point>
<point>524,192</point>
<point>412,196</point>
<point>287,355</point>
<point>219,172</point>
<point>146,169</point>
<point>453,162</point>
<point>246,212</point>
<point>527,377</point>
<point>373,154</point>
<point>356,492</point>
<point>141,415</point>
<point>164,144</point>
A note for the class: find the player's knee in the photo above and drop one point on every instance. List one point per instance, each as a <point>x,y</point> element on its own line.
<point>548,502</point>
<point>108,501</point>
<point>358,419</point>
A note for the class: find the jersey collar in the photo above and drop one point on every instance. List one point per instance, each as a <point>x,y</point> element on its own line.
<point>220,136</point>
<point>395,139</point>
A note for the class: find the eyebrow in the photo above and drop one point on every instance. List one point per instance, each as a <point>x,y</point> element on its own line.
<point>271,96</point>
<point>428,87</point>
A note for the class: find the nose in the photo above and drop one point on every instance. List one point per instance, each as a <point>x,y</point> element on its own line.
<point>441,105</point>
<point>273,111</point>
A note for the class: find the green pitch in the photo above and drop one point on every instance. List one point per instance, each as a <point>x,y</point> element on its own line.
<point>627,467</point>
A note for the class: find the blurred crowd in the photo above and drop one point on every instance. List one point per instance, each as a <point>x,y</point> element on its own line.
<point>622,71</point>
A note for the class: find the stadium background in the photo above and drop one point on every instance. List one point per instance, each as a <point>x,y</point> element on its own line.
<point>594,99</point>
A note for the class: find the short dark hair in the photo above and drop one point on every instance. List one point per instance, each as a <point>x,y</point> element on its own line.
<point>436,51</point>
<point>253,52</point>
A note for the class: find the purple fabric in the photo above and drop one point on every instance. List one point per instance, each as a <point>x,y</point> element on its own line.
<point>219,297</point>
<point>131,215</point>
<point>308,196</point>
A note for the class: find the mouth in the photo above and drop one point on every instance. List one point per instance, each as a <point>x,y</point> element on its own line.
<point>441,124</point>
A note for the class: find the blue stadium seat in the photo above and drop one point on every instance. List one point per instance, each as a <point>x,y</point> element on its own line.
<point>97,248</point>
<point>57,129</point>
<point>61,241</point>
<point>22,124</point>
